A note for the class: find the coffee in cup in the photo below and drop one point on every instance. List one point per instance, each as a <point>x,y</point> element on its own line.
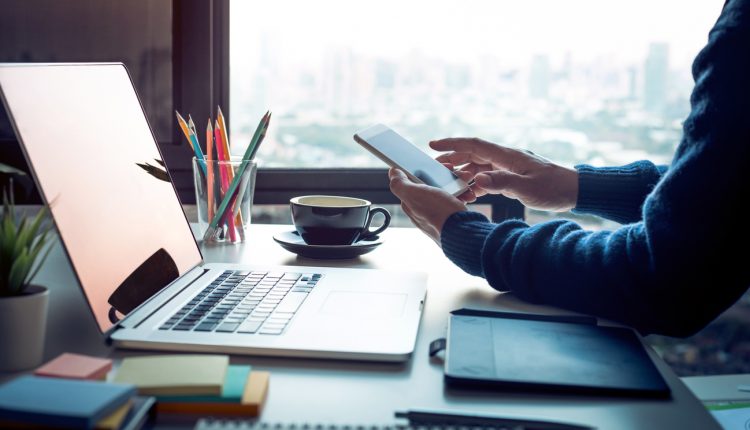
<point>334,220</point>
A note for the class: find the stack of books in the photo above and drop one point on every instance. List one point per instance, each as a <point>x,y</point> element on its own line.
<point>196,384</point>
<point>34,401</point>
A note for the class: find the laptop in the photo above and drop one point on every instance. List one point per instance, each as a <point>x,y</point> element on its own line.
<point>83,131</point>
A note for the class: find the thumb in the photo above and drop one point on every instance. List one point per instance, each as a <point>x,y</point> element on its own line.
<point>498,181</point>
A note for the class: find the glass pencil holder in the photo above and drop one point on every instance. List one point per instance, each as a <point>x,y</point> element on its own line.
<point>224,198</point>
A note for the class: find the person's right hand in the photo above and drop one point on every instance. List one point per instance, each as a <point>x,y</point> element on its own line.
<point>523,175</point>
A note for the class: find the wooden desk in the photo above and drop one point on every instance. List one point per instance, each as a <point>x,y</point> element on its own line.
<point>319,391</point>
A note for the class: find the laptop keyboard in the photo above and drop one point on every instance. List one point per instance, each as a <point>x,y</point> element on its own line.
<point>245,302</point>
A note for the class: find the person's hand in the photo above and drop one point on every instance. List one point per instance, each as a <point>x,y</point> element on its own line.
<point>523,175</point>
<point>428,207</point>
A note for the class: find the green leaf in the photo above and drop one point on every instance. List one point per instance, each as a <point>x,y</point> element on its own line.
<point>40,216</point>
<point>40,240</point>
<point>22,238</point>
<point>18,272</point>
<point>22,246</point>
<point>154,171</point>
<point>10,170</point>
<point>39,263</point>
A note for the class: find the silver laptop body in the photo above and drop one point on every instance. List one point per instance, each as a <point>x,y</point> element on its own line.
<point>83,131</point>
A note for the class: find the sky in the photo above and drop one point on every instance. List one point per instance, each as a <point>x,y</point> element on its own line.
<point>300,31</point>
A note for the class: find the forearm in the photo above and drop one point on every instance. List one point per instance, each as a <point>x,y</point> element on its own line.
<point>615,275</point>
<point>616,193</point>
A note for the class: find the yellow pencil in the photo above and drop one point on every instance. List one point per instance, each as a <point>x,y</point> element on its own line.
<point>225,141</point>
<point>223,128</point>
<point>185,129</point>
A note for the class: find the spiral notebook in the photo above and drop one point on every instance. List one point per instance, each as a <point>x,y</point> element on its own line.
<point>416,420</point>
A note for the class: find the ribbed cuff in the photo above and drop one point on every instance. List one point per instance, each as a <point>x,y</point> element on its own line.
<point>462,239</point>
<point>615,193</point>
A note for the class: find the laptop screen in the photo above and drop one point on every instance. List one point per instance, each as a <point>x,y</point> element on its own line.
<point>87,141</point>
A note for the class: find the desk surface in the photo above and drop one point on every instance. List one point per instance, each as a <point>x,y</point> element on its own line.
<point>320,391</point>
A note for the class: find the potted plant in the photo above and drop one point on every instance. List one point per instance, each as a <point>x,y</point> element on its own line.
<point>23,305</point>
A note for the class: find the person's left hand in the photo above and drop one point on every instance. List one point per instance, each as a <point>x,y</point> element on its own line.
<point>428,207</point>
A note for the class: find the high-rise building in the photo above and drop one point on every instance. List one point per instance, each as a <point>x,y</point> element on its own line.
<point>655,77</point>
<point>632,83</point>
<point>539,77</point>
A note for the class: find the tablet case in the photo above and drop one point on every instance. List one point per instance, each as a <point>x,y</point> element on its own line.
<point>569,354</point>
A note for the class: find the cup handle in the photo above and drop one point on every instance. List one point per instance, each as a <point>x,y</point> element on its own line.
<point>366,233</point>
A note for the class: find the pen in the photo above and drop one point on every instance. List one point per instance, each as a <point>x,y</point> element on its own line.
<point>426,418</point>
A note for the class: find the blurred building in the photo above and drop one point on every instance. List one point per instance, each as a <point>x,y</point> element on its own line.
<point>655,77</point>
<point>539,77</point>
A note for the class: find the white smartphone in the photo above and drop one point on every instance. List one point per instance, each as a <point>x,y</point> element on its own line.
<point>398,152</point>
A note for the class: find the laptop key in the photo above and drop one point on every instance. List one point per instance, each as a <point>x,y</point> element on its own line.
<point>206,326</point>
<point>228,327</point>
<point>291,302</point>
<point>250,326</point>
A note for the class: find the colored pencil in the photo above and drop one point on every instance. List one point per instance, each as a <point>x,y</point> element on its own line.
<point>245,183</point>
<point>262,136</point>
<point>223,127</point>
<point>228,150</point>
<point>193,141</point>
<point>220,213</point>
<point>224,169</point>
<point>210,165</point>
<point>191,124</point>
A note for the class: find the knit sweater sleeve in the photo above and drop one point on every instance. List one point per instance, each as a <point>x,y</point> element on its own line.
<point>616,193</point>
<point>681,265</point>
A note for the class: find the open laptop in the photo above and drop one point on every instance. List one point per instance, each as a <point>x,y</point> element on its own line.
<point>83,131</point>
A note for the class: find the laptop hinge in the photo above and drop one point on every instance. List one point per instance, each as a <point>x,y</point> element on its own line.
<point>159,300</point>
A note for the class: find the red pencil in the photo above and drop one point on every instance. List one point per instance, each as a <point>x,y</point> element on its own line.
<point>210,167</point>
<point>223,171</point>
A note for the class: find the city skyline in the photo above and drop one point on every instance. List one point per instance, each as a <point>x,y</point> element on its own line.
<point>572,105</point>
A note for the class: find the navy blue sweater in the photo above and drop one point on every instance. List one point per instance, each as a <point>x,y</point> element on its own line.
<point>681,256</point>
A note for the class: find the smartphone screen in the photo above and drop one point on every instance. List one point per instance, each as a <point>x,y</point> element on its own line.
<point>399,152</point>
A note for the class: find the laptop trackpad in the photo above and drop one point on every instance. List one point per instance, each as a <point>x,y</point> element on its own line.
<point>364,304</point>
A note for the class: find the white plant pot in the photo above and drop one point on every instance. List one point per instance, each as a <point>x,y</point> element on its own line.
<point>23,323</point>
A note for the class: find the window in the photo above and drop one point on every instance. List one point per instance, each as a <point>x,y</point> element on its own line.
<point>602,82</point>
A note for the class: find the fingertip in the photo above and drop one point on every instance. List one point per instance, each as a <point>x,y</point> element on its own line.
<point>482,180</point>
<point>468,196</point>
<point>438,144</point>
<point>444,158</point>
<point>398,180</point>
